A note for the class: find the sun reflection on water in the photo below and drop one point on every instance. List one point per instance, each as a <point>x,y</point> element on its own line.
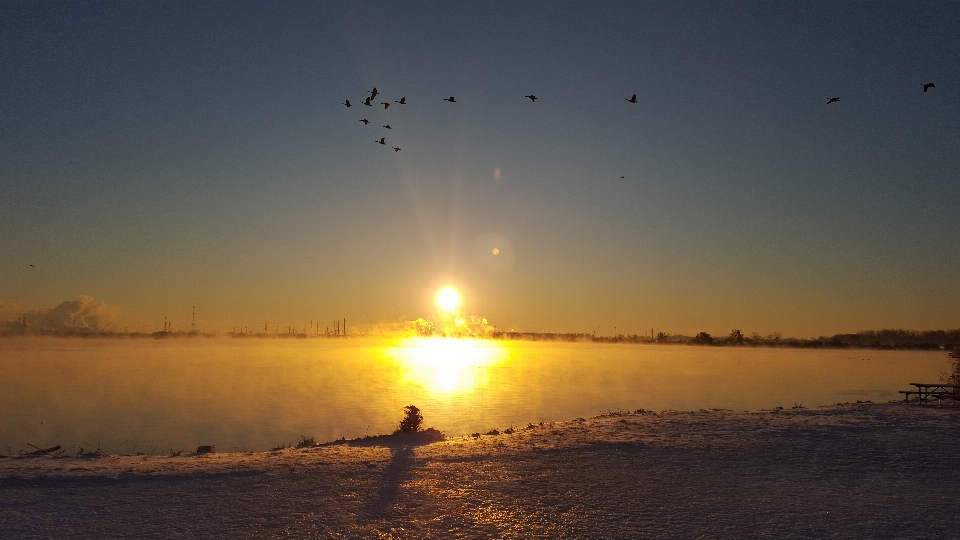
<point>447,365</point>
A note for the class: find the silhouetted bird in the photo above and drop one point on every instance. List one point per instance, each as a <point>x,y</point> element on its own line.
<point>367,102</point>
<point>373,93</point>
<point>349,105</point>
<point>633,99</point>
<point>451,100</point>
<point>385,105</point>
<point>403,101</point>
<point>831,100</point>
<point>365,121</point>
<point>32,266</point>
<point>382,141</point>
<point>621,177</point>
<point>388,126</point>
<point>395,149</point>
<point>532,97</point>
<point>928,86</point>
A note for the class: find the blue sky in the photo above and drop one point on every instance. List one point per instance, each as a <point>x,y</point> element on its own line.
<point>158,156</point>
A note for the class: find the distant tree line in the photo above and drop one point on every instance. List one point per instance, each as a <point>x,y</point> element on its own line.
<point>867,339</point>
<point>870,339</point>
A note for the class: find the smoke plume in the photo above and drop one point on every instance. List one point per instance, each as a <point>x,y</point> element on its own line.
<point>82,316</point>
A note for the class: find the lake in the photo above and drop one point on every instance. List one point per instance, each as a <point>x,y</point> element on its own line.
<point>131,395</point>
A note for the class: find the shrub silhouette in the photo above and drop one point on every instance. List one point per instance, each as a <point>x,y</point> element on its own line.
<point>412,420</point>
<point>954,376</point>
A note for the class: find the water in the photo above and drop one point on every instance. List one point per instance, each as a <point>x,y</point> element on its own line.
<point>154,396</point>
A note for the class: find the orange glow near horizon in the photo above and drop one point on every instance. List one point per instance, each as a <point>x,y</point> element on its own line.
<point>447,365</point>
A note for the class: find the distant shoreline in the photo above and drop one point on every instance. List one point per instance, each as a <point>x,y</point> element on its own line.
<point>869,340</point>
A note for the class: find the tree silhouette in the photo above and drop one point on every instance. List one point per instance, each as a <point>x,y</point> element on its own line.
<point>703,338</point>
<point>411,421</point>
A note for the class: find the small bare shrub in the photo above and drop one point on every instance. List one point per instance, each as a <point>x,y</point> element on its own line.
<point>953,377</point>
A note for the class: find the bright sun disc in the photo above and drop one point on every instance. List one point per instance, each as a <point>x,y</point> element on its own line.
<point>448,299</point>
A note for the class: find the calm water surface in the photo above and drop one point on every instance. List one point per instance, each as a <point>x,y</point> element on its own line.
<point>147,395</point>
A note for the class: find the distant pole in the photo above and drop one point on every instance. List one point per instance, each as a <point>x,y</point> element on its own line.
<point>344,326</point>
<point>193,322</point>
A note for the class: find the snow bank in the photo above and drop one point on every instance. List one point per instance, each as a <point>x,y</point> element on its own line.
<point>852,471</point>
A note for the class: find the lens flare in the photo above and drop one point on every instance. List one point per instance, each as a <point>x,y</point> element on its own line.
<point>448,299</point>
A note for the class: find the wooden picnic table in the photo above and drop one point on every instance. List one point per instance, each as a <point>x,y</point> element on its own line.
<point>927,391</point>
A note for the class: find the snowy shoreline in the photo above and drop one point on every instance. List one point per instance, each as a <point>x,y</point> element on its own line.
<point>862,470</point>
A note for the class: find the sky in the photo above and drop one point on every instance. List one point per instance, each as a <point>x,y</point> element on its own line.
<point>157,156</point>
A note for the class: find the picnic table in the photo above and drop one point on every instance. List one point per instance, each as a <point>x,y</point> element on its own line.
<point>926,392</point>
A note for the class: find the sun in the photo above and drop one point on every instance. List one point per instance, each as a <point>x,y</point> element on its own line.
<point>448,299</point>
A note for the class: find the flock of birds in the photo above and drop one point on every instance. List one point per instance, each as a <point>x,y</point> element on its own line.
<point>926,86</point>
<point>403,101</point>
<point>368,101</point>
<point>386,105</point>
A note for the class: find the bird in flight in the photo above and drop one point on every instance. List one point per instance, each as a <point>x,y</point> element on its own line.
<point>385,105</point>
<point>367,102</point>
<point>373,93</point>
<point>388,126</point>
<point>382,141</point>
<point>365,121</point>
<point>532,97</point>
<point>633,99</point>
<point>451,100</point>
<point>32,266</point>
<point>621,177</point>
<point>928,86</point>
<point>831,100</point>
<point>403,101</point>
<point>348,104</point>
<point>395,149</point>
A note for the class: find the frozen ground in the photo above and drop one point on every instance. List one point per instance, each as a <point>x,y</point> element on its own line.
<point>851,471</point>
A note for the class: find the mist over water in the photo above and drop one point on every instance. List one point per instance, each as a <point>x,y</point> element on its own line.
<point>158,395</point>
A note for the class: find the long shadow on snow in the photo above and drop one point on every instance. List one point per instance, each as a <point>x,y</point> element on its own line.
<point>402,460</point>
<point>394,475</point>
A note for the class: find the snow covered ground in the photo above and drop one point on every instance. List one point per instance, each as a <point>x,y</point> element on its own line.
<point>845,471</point>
